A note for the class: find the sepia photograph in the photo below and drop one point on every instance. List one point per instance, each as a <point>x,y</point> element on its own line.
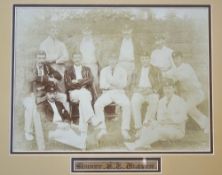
<point>111,79</point>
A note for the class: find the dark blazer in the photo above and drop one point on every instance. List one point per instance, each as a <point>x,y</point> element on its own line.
<point>46,108</point>
<point>86,82</point>
<point>40,82</point>
<point>155,78</point>
<point>48,72</point>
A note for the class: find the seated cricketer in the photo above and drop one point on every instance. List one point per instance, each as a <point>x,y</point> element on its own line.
<point>144,92</point>
<point>113,80</point>
<point>44,74</point>
<point>78,82</point>
<point>53,109</point>
<point>59,128</point>
<point>170,122</point>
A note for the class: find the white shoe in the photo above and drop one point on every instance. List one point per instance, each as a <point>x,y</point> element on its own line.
<point>126,135</point>
<point>101,133</point>
<point>29,136</point>
<point>130,146</point>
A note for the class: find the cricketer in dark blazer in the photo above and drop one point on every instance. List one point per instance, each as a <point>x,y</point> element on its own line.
<point>47,108</point>
<point>44,74</point>
<point>86,81</point>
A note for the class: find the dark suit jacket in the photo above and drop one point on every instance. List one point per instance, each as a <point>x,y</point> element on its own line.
<point>46,108</point>
<point>40,82</point>
<point>155,78</point>
<point>48,72</point>
<point>86,82</point>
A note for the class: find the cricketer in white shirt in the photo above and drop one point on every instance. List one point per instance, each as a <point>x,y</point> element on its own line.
<point>127,56</point>
<point>170,123</point>
<point>55,50</point>
<point>88,51</point>
<point>190,89</point>
<point>161,57</point>
<point>113,80</point>
<point>56,54</point>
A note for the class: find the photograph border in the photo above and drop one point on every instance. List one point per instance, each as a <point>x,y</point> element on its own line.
<point>211,142</point>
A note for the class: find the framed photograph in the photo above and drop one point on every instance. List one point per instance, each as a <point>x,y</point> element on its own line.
<point>123,87</point>
<point>111,78</point>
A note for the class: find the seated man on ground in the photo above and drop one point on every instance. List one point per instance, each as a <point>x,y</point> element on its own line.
<point>53,109</point>
<point>170,123</point>
<point>54,113</point>
<point>56,120</point>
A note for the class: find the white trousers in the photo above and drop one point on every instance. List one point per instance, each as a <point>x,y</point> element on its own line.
<point>159,132</point>
<point>136,103</point>
<point>29,105</point>
<point>33,120</point>
<point>84,97</point>
<point>119,97</point>
<point>63,99</point>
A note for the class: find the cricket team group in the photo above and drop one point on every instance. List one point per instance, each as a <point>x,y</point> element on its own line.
<point>164,81</point>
